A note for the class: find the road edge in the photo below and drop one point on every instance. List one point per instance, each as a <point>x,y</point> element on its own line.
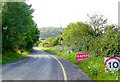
<point>63,69</point>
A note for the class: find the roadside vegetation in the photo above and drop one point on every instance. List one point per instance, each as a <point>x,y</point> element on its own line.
<point>93,67</point>
<point>19,32</point>
<point>13,56</point>
<point>95,37</point>
<point>47,32</point>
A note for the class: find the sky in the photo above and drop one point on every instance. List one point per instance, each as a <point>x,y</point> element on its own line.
<point>57,13</point>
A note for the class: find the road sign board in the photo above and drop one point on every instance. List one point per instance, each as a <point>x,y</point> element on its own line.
<point>81,57</point>
<point>111,64</point>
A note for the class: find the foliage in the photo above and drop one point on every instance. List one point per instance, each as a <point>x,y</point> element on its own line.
<point>47,32</point>
<point>77,36</point>
<point>49,51</point>
<point>52,41</point>
<point>18,29</point>
<point>56,41</point>
<point>110,41</point>
<point>98,22</point>
<point>82,37</point>
<point>48,42</point>
<point>97,38</point>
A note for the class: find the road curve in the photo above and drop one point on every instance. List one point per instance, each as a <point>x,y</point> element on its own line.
<point>40,65</point>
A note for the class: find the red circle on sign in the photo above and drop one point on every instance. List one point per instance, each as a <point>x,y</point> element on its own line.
<point>110,59</point>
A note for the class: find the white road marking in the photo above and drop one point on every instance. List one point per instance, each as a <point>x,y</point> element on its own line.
<point>64,73</point>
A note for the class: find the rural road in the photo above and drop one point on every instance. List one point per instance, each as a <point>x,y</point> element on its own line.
<point>40,65</point>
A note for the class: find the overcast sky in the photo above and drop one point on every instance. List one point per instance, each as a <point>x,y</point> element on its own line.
<point>58,13</point>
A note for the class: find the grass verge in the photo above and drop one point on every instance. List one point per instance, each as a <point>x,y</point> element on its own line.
<point>8,57</point>
<point>93,67</point>
<point>51,51</point>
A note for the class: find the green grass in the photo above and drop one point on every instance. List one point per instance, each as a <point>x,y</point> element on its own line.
<point>51,51</point>
<point>8,57</point>
<point>93,67</point>
<point>0,58</point>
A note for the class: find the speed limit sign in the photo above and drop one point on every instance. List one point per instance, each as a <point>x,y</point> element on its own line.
<point>111,63</point>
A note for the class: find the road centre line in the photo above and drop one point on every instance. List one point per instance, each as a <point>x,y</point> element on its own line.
<point>64,73</point>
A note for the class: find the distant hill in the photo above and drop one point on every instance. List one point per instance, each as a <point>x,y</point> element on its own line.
<point>46,32</point>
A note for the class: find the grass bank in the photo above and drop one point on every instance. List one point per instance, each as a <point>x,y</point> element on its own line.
<point>49,50</point>
<point>8,57</point>
<point>93,67</point>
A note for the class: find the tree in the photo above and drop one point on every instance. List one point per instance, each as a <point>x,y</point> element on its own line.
<point>110,41</point>
<point>77,35</point>
<point>1,4</point>
<point>18,28</point>
<point>98,22</point>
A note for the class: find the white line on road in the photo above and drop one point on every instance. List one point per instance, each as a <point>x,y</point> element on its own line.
<point>64,73</point>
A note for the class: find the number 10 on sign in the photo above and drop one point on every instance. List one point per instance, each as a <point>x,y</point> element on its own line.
<point>111,64</point>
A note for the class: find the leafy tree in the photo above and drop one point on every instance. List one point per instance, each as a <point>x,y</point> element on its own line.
<point>98,22</point>
<point>96,37</point>
<point>110,41</point>
<point>74,36</point>
<point>81,37</point>
<point>19,30</point>
<point>1,4</point>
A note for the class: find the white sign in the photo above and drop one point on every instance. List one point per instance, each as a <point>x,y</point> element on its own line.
<point>111,64</point>
<point>69,51</point>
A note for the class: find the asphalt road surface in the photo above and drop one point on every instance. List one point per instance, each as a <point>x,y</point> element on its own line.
<point>40,65</point>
